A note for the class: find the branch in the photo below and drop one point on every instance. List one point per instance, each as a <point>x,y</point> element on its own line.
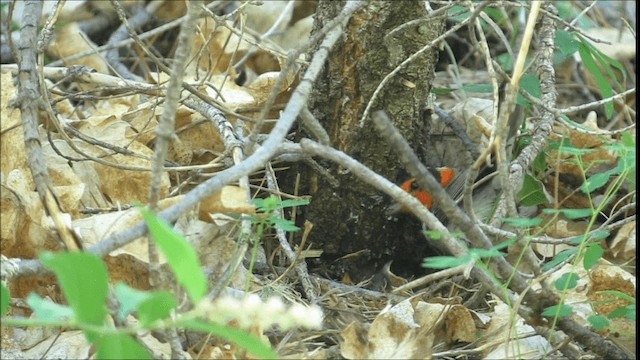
<point>249,165</point>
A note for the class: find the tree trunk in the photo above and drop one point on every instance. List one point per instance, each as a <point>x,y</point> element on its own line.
<point>351,218</point>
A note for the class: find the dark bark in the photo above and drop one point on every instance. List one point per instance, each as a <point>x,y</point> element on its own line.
<point>351,217</point>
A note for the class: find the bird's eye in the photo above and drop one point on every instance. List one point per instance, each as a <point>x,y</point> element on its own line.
<point>415,186</point>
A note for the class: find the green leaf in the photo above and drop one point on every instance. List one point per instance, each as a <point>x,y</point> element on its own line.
<point>458,13</point>
<point>157,307</point>
<point>559,311</point>
<point>442,91</point>
<point>243,339</point>
<point>532,192</point>
<point>561,143</point>
<point>531,84</point>
<point>284,224</point>
<point>572,150</point>
<point>294,202</point>
<point>606,62</point>
<point>268,204</point>
<point>478,88</point>
<point>84,281</point>
<point>505,244</point>
<point>628,312</point>
<point>570,213</point>
<point>603,84</point>
<point>568,11</point>
<point>592,255</point>
<point>150,306</point>
<point>523,222</point>
<point>567,281</point>
<point>182,258</point>
<point>566,42</point>
<point>540,162</point>
<point>47,309</point>
<point>599,235</point>
<point>598,322</point>
<point>433,235</point>
<point>628,140</point>
<point>593,236</point>
<point>5,299</point>
<point>559,258</point>
<point>505,60</point>
<point>272,203</point>
<point>577,213</point>
<point>599,180</point>
<point>444,262</point>
<point>120,346</point>
<point>618,294</point>
<point>577,240</point>
<point>437,235</point>
<point>129,299</point>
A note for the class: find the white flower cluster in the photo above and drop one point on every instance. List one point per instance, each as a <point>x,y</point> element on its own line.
<point>251,311</point>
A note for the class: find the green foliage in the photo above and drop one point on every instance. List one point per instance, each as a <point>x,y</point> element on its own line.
<point>458,13</point>
<point>610,78</point>
<point>267,217</point>
<point>628,311</point>
<point>5,298</point>
<point>571,213</point>
<point>592,255</point>
<point>83,280</point>
<point>269,205</point>
<point>522,222</point>
<point>437,235</point>
<point>566,281</point>
<point>182,258</point>
<point>598,322</point>
<point>531,84</point>
<point>48,310</point>
<point>569,10</point>
<point>599,235</point>
<point>588,249</point>
<point>247,341</point>
<point>150,306</point>
<point>532,192</point>
<point>558,311</point>
<point>85,290</point>
<point>566,42</point>
<point>560,258</point>
<point>625,167</point>
<point>595,61</point>
<point>539,163</point>
<point>472,256</point>
<point>120,346</point>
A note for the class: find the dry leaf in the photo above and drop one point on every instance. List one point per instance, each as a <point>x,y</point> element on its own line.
<point>229,200</point>
<point>503,326</point>
<point>70,40</point>
<point>394,334</point>
<point>623,246</point>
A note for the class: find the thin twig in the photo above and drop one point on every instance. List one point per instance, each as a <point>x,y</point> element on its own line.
<point>257,160</point>
<point>415,55</point>
<point>338,23</point>
<point>300,266</point>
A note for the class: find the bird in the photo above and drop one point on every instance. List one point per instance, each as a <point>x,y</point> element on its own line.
<point>444,175</point>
